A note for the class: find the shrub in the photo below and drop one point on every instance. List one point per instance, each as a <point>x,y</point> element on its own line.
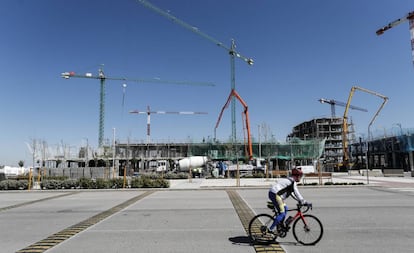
<point>9,185</point>
<point>116,183</point>
<point>70,184</point>
<point>260,175</point>
<point>102,183</point>
<point>86,183</point>
<point>152,181</point>
<point>343,183</point>
<point>136,183</point>
<point>149,182</point>
<point>60,178</point>
<point>51,184</point>
<point>161,183</point>
<point>180,175</point>
<point>23,184</point>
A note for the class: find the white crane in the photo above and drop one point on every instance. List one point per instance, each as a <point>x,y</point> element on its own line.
<point>230,50</point>
<point>410,18</point>
<point>333,102</point>
<point>149,112</point>
<point>101,76</point>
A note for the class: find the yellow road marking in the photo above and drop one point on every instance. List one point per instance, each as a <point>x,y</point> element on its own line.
<point>245,215</point>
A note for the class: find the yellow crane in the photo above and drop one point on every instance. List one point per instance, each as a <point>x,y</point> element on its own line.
<point>102,78</point>
<point>345,120</point>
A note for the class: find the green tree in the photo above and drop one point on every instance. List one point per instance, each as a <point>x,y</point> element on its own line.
<point>21,163</point>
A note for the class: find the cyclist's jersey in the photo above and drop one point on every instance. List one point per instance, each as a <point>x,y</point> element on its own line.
<point>284,187</point>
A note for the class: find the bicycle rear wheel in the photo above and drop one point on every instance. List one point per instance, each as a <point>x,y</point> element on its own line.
<point>259,228</point>
<point>307,231</point>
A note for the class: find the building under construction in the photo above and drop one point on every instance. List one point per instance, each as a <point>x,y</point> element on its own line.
<point>324,128</point>
<point>279,156</point>
<point>315,140</point>
<point>392,153</point>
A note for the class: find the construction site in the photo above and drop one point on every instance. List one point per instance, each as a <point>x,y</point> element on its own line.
<point>316,143</point>
<point>326,144</point>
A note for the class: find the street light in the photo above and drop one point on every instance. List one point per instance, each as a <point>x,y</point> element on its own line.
<point>260,143</point>
<point>367,157</point>
<point>113,154</point>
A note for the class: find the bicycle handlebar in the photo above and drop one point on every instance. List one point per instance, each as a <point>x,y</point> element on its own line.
<point>298,207</point>
<point>307,205</point>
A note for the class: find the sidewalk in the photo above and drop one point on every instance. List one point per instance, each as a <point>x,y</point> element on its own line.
<point>196,183</point>
<point>406,181</point>
<point>337,178</point>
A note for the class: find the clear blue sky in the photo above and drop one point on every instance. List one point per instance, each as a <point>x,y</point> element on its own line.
<point>303,51</point>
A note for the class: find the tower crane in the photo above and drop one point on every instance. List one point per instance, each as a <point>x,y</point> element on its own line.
<point>230,50</point>
<point>234,94</point>
<point>149,112</point>
<point>102,78</point>
<point>410,18</point>
<point>345,120</point>
<point>333,102</point>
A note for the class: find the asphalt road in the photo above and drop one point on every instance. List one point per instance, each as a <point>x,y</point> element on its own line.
<point>355,219</point>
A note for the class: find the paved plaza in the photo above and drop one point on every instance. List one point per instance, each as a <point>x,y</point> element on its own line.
<point>203,215</point>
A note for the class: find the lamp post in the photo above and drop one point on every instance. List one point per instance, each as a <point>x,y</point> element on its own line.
<point>86,157</point>
<point>260,143</point>
<point>367,154</point>
<point>113,154</point>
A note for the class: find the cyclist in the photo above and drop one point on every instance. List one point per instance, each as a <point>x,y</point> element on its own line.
<point>280,191</point>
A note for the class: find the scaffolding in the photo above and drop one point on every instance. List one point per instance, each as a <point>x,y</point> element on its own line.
<point>295,149</point>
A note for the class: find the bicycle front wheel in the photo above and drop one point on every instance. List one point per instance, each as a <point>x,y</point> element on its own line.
<point>259,228</point>
<point>307,230</point>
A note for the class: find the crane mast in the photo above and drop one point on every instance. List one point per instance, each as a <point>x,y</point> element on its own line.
<point>102,78</point>
<point>231,51</point>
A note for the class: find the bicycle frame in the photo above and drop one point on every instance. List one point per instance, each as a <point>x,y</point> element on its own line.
<point>307,229</point>
<point>299,213</point>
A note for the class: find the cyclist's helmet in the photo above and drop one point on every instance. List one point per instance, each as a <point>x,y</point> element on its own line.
<point>297,172</point>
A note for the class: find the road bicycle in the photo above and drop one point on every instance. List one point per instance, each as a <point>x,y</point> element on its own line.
<point>307,229</point>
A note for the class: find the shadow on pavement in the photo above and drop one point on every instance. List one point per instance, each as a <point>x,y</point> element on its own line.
<point>241,240</point>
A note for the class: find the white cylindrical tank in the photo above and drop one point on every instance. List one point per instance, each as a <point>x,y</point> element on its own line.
<point>193,161</point>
